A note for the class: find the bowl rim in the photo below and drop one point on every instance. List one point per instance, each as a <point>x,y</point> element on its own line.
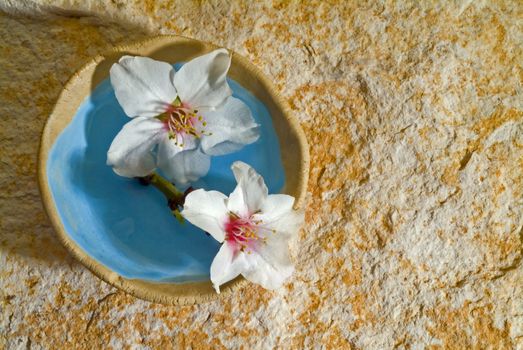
<point>164,293</point>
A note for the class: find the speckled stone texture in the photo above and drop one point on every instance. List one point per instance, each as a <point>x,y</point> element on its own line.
<point>413,236</point>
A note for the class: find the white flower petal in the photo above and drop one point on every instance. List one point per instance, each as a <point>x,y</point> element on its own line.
<point>142,85</point>
<point>130,153</point>
<point>202,82</point>
<point>182,166</point>
<point>270,265</point>
<point>276,205</point>
<point>232,126</point>
<point>227,265</point>
<point>169,147</point>
<point>278,214</point>
<point>287,225</point>
<point>236,202</point>
<point>207,210</point>
<point>250,193</point>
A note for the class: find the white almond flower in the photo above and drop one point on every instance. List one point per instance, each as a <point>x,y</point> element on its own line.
<point>180,118</point>
<point>253,226</point>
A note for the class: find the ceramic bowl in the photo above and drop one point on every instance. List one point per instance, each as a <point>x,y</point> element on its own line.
<point>122,231</point>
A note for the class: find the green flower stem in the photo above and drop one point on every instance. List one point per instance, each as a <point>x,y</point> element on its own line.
<point>175,197</point>
<point>178,216</point>
<point>168,189</point>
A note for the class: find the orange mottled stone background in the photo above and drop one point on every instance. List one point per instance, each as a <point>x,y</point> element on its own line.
<point>413,236</point>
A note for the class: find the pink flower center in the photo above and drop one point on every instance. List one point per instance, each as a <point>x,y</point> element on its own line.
<point>245,233</point>
<point>181,121</point>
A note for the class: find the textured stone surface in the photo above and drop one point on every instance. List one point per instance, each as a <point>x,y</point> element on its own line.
<point>414,115</point>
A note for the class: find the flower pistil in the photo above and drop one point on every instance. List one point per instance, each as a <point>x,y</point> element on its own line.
<point>245,233</point>
<point>181,120</point>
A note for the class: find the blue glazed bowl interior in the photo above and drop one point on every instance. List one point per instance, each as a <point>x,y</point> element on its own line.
<point>126,226</point>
